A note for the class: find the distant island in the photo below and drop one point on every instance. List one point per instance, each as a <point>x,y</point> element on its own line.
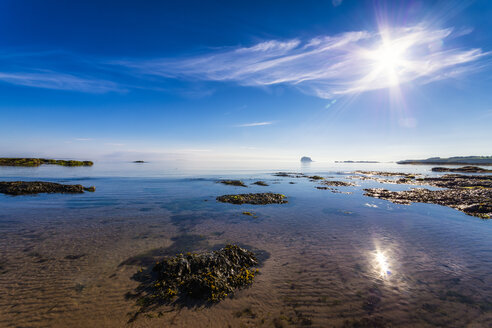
<point>33,162</point>
<point>306,159</point>
<point>139,162</point>
<point>469,160</point>
<point>356,162</point>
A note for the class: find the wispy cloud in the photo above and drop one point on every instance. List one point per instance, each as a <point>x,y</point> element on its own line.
<point>253,124</point>
<point>58,81</point>
<point>326,66</point>
<point>83,139</point>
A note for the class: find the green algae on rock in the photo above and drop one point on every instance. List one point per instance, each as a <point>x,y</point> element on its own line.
<point>209,276</point>
<point>237,183</point>
<point>35,187</point>
<point>39,161</point>
<point>254,199</point>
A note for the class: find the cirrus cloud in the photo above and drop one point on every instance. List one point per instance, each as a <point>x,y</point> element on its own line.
<point>325,66</point>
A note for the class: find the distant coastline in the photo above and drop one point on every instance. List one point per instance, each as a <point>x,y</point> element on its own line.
<point>476,160</point>
<point>33,162</point>
<point>357,162</point>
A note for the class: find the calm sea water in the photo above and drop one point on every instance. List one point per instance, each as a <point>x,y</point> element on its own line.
<point>331,259</point>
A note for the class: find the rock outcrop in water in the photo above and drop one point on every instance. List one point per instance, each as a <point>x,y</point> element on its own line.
<point>471,194</point>
<point>207,276</point>
<point>36,187</point>
<point>335,183</point>
<point>253,199</point>
<point>39,161</point>
<point>306,159</point>
<point>464,169</point>
<point>475,202</point>
<point>195,278</point>
<point>237,183</point>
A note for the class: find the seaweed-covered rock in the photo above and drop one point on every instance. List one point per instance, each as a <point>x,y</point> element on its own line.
<point>473,201</point>
<point>335,183</point>
<point>254,199</point>
<point>36,187</point>
<point>208,276</point>
<point>40,161</point>
<point>237,183</point>
<point>289,175</point>
<point>464,169</point>
<point>458,181</point>
<point>261,183</point>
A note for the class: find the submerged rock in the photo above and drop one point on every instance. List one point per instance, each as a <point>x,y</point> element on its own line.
<point>472,201</point>
<point>464,169</point>
<point>207,276</point>
<point>36,187</point>
<point>40,161</point>
<point>254,199</point>
<point>237,183</point>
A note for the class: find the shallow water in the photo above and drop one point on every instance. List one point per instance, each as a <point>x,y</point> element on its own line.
<point>331,259</point>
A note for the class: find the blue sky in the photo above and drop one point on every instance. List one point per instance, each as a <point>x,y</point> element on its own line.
<point>257,80</point>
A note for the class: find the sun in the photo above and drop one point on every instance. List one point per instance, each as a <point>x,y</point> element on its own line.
<point>388,59</point>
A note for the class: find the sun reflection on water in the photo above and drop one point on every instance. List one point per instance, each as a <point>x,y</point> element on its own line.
<point>382,264</point>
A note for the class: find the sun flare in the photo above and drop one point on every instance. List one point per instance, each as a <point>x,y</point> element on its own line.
<point>389,60</point>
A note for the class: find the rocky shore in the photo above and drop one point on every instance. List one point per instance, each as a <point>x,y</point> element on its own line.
<point>17,188</point>
<point>475,202</point>
<point>464,169</point>
<point>471,194</point>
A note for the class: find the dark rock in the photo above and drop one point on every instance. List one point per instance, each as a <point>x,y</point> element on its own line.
<point>35,187</point>
<point>472,201</point>
<point>195,278</point>
<point>139,162</point>
<point>261,183</point>
<point>237,183</point>
<point>338,183</point>
<point>464,169</point>
<point>254,199</point>
<point>315,177</point>
<point>289,175</point>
